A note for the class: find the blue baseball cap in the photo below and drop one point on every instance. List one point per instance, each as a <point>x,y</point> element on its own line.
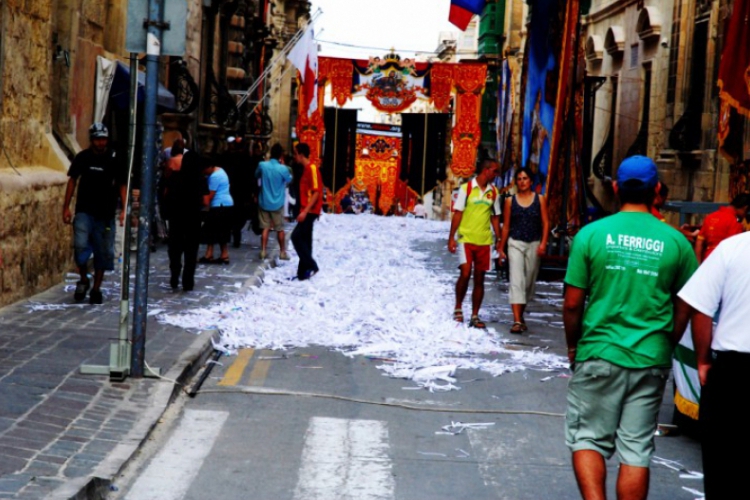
<point>637,172</point>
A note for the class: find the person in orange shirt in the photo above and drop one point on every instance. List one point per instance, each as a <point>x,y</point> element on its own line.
<point>720,225</point>
<point>311,204</point>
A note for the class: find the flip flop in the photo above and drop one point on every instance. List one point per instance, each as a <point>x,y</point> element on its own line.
<point>458,316</point>
<point>517,328</point>
<point>475,322</point>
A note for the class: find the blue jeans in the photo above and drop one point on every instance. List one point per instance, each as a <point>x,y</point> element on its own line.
<point>95,236</point>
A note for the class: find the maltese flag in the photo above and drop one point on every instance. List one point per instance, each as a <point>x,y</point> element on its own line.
<point>304,57</point>
<point>463,10</point>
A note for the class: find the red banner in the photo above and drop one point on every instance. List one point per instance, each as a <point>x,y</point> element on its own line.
<point>466,80</point>
<point>734,70</point>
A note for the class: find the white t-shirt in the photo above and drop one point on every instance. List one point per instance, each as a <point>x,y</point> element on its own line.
<point>724,279</point>
<point>420,210</point>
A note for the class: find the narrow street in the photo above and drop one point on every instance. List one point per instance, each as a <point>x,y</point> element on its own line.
<point>332,426</point>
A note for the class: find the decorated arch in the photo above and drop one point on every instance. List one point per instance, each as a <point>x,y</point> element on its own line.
<point>392,84</point>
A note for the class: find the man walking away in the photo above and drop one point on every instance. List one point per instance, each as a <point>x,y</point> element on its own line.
<point>311,203</point>
<point>274,178</point>
<point>631,266</point>
<point>101,175</point>
<point>183,197</point>
<point>477,214</point>
<point>723,356</point>
<point>720,225</point>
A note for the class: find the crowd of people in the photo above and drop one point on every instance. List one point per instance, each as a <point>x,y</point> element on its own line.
<point>632,284</point>
<point>200,200</point>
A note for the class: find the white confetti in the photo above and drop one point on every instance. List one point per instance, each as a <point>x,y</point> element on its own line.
<point>376,296</point>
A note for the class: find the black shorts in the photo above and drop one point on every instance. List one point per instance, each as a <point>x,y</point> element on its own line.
<point>219,225</point>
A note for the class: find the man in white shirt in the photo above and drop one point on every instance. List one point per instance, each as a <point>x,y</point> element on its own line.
<point>723,357</point>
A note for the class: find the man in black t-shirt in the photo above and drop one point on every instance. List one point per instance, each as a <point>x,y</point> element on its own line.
<point>100,176</point>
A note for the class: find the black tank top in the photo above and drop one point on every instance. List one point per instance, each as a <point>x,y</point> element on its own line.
<point>526,222</point>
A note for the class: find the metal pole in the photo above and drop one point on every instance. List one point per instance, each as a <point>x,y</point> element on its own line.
<point>148,179</point>
<point>124,354</point>
<point>119,350</point>
<point>424,154</point>
<point>335,153</point>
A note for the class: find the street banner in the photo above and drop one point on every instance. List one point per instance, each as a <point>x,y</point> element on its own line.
<point>734,70</point>
<point>105,74</point>
<point>391,84</point>
<point>304,57</point>
<point>505,110</point>
<point>734,96</point>
<point>687,395</point>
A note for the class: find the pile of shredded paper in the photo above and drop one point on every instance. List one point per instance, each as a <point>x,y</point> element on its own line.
<point>378,295</point>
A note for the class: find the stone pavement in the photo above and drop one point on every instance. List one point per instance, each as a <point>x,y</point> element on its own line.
<point>64,434</point>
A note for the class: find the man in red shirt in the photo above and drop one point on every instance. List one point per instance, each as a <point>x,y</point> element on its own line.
<point>720,225</point>
<point>311,204</point>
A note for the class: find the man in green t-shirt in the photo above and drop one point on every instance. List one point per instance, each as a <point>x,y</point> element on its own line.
<point>630,267</point>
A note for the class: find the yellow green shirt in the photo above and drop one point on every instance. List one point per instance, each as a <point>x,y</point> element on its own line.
<point>478,207</point>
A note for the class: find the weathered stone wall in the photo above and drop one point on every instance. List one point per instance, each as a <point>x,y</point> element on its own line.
<point>35,246</point>
<point>26,82</point>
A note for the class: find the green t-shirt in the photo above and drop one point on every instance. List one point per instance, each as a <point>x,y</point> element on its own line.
<point>632,266</point>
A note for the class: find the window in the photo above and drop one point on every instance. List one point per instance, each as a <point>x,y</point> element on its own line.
<point>634,55</point>
<point>674,52</point>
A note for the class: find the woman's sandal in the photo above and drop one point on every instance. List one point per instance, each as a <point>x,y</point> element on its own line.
<point>220,261</point>
<point>518,327</point>
<point>205,260</point>
<point>475,322</point>
<point>458,316</point>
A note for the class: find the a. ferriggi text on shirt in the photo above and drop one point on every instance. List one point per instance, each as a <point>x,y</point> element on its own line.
<point>636,242</point>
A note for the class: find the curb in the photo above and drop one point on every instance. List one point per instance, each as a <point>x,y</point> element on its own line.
<point>163,393</point>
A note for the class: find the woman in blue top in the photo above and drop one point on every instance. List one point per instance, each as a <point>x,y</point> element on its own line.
<point>525,230</point>
<point>219,222</point>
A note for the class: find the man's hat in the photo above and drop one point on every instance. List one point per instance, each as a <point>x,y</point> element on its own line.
<point>98,130</point>
<point>637,172</point>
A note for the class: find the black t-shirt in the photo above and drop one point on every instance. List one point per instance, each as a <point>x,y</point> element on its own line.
<point>99,179</point>
<point>241,175</point>
<point>186,188</point>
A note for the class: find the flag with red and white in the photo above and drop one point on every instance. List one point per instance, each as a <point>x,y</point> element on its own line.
<point>463,10</point>
<point>304,57</point>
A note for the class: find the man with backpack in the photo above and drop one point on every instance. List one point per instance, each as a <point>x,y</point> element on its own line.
<point>476,215</point>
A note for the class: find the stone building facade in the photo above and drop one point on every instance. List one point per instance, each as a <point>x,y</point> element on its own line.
<point>651,73</point>
<point>48,53</point>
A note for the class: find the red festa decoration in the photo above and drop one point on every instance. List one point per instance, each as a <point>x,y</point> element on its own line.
<point>469,82</point>
<point>392,85</point>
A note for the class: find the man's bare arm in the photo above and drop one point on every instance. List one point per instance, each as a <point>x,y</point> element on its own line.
<point>575,300</point>
<point>702,327</point>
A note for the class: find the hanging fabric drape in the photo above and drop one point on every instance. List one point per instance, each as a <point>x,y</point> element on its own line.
<point>390,83</point>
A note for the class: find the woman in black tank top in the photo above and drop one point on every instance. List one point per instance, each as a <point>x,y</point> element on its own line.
<point>525,230</point>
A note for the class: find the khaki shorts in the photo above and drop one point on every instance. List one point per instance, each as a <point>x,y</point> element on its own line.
<point>273,219</point>
<point>613,408</point>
